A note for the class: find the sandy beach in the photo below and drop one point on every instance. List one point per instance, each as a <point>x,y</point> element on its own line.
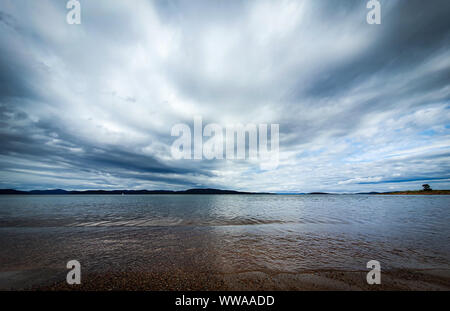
<point>404,280</point>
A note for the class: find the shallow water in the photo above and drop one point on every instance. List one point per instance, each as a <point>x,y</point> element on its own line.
<point>219,233</point>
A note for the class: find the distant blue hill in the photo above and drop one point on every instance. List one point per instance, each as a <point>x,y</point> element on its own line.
<point>128,192</point>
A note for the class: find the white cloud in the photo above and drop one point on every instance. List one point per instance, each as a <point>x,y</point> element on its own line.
<point>354,102</point>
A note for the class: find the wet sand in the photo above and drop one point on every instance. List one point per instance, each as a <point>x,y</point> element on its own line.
<point>403,280</point>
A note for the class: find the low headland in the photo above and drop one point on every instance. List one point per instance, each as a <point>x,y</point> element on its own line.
<point>418,192</point>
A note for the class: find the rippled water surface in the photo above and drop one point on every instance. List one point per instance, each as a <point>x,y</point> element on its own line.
<point>220,233</point>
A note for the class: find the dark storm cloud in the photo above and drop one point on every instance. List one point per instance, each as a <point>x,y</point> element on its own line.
<point>51,144</point>
<point>410,34</point>
<point>92,105</point>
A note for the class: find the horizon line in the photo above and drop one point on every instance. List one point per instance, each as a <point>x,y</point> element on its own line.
<point>56,191</point>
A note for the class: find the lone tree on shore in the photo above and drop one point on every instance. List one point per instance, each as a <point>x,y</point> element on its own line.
<point>426,187</point>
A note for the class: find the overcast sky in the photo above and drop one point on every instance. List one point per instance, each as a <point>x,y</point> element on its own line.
<point>361,107</point>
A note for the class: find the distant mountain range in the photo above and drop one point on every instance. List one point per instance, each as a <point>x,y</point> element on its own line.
<point>204,191</point>
<point>119,192</point>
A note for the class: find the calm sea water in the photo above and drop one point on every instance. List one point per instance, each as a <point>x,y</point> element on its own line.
<point>219,233</point>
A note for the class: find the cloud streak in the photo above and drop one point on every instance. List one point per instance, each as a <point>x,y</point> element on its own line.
<point>360,107</point>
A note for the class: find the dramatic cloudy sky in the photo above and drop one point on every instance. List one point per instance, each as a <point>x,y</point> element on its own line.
<point>361,107</point>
